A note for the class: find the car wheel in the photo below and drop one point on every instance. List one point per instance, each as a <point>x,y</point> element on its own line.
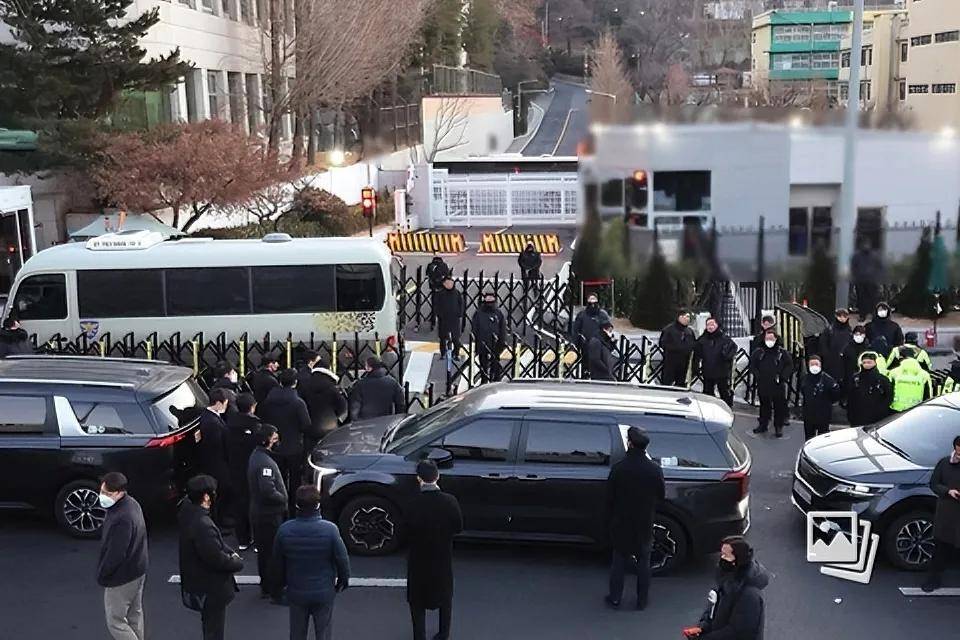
<point>908,541</point>
<point>370,526</point>
<point>669,549</point>
<point>77,509</point>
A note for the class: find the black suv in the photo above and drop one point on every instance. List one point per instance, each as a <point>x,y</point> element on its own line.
<point>529,460</point>
<point>882,473</point>
<point>65,421</point>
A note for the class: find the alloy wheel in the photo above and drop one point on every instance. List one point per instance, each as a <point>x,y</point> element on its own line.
<point>82,510</point>
<point>664,547</point>
<point>371,528</point>
<point>915,541</point>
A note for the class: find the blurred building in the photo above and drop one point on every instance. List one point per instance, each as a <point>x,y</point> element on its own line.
<point>881,60</point>
<point>930,64</point>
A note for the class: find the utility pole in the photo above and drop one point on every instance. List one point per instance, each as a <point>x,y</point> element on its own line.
<point>848,196</point>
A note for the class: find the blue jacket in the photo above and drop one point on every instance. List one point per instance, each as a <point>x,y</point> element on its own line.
<point>311,559</point>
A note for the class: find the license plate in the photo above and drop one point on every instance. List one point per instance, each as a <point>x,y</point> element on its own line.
<point>802,491</point>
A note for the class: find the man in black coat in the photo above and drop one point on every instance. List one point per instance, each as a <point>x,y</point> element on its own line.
<point>634,488</point>
<point>713,357</point>
<point>833,340</point>
<point>600,361</point>
<point>772,367</point>
<point>310,360</point>
<point>677,341</point>
<point>241,441</point>
<point>851,356</point>
<point>122,567</point>
<point>433,518</point>
<point>325,401</point>
<point>376,394</point>
<point>287,411</point>
<point>264,379</point>
<point>883,333</point>
<point>736,608</point>
<point>207,564</point>
<point>268,507</point>
<point>945,482</point>
<point>489,336</point>
<point>437,272</point>
<point>529,262</point>
<point>14,340</point>
<point>211,452</point>
<point>449,310</point>
<point>589,321</point>
<point>870,393</point>
<point>225,377</point>
<point>819,391</point>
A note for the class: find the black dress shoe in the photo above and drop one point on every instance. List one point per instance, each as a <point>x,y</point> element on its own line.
<point>760,430</point>
<point>779,433</point>
<point>613,604</point>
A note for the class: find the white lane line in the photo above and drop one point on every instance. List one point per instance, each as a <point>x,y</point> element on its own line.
<point>354,582</point>
<point>563,132</point>
<point>915,592</point>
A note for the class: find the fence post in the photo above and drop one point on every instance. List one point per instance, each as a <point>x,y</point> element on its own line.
<point>516,359</point>
<point>243,357</point>
<point>149,349</point>
<point>334,358</point>
<point>561,352</point>
<point>195,348</point>
<point>289,351</point>
<point>103,352</point>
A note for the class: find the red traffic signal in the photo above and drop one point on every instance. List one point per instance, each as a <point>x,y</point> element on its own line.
<point>368,200</point>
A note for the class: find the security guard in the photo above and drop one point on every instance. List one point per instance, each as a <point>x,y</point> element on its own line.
<point>911,349</point>
<point>880,362</point>
<point>870,393</point>
<point>911,385</point>
<point>268,507</point>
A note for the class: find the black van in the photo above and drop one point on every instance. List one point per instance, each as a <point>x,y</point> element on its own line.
<point>65,421</point>
<point>529,460</point>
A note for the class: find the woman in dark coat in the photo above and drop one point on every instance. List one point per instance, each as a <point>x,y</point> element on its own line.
<point>433,519</point>
<point>945,482</point>
<point>735,610</point>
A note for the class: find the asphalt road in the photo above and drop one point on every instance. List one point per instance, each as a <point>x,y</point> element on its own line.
<point>564,124</point>
<point>48,589</point>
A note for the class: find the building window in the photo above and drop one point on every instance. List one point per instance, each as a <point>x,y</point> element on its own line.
<point>829,32</point>
<point>208,6</point>
<point>790,61</point>
<point>821,227</point>
<point>844,91</point>
<point>866,56</point>
<point>229,9</point>
<point>948,36</point>
<point>845,60</point>
<point>190,3</point>
<point>919,41</point>
<point>253,103</point>
<point>235,88</point>
<point>792,33</point>
<point>865,90</point>
<point>869,227</point>
<point>825,60</point>
<point>902,89</point>
<point>919,88</point>
<point>903,51</point>
<point>753,37</point>
<point>681,190</point>
<point>213,93</point>
<point>944,88</point>
<point>798,238</point>
<point>246,11</point>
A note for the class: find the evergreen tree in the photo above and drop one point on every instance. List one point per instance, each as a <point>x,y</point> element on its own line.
<point>820,282</point>
<point>480,34</point>
<point>654,306</point>
<point>441,34</point>
<point>70,62</point>
<point>915,300</point>
<point>586,256</point>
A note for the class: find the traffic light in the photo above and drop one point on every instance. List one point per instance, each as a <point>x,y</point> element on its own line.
<point>368,200</point>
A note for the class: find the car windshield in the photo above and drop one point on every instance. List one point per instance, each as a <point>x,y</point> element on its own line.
<point>424,424</point>
<point>923,435</point>
<point>180,407</point>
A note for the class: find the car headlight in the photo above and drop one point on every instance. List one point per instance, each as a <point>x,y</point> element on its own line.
<point>861,490</point>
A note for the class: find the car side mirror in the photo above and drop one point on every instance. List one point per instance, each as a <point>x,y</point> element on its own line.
<point>440,457</point>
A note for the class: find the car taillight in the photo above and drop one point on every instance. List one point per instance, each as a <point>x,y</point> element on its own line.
<point>166,441</point>
<point>742,478</point>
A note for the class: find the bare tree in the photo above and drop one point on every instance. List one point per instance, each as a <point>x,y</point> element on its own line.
<point>449,126</point>
<point>608,79</point>
<point>269,204</point>
<point>656,34</point>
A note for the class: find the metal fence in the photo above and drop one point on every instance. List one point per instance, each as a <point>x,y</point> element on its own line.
<point>463,81</point>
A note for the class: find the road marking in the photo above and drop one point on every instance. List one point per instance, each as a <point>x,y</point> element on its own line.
<point>916,592</point>
<point>563,132</point>
<point>354,582</point>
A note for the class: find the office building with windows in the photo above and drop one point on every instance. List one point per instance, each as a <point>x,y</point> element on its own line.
<point>883,52</point>
<point>797,51</point>
<point>930,65</point>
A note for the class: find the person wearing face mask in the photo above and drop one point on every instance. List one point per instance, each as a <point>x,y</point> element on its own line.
<point>945,482</point>
<point>122,567</point>
<point>677,341</point>
<point>268,507</point>
<point>312,566</point>
<point>851,356</point>
<point>212,456</point>
<point>870,393</point>
<point>226,378</point>
<point>772,367</point>
<point>819,391</point>
<point>207,564</point>
<point>588,322</point>
<point>833,341</point>
<point>601,365</point>
<point>489,329</point>
<point>882,332</point>
<point>713,356</point>
<point>766,323</point>
<point>735,608</point>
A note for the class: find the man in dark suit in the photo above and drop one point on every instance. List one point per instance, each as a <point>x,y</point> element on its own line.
<point>634,488</point>
<point>211,451</point>
<point>433,519</point>
<point>207,564</point>
<point>287,411</point>
<point>241,440</point>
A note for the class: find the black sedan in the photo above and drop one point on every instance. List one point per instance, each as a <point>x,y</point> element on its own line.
<point>882,473</point>
<point>529,461</point>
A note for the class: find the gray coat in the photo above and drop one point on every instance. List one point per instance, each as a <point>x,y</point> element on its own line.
<point>268,495</point>
<point>946,522</point>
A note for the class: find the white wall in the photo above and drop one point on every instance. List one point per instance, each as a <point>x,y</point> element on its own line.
<point>482,125</point>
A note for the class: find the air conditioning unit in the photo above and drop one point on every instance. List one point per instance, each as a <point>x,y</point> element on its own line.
<point>132,240</point>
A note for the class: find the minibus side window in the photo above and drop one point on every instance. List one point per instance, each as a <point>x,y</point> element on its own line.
<point>360,287</point>
<point>41,297</point>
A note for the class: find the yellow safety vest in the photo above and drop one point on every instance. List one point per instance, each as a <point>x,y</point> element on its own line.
<point>910,382</point>
<point>921,356</point>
